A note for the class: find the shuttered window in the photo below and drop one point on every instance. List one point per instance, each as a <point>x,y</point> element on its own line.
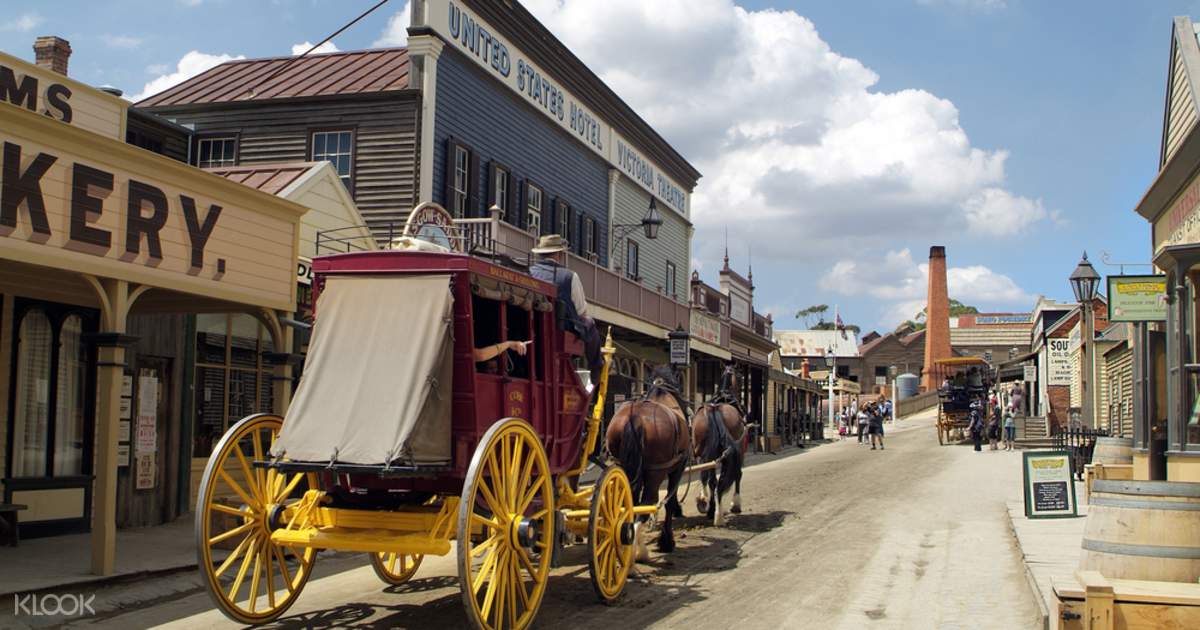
<point>533,208</point>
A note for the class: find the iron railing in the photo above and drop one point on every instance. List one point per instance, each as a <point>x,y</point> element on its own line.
<point>1079,442</point>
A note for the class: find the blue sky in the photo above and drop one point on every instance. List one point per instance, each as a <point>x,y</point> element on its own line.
<point>1048,116</point>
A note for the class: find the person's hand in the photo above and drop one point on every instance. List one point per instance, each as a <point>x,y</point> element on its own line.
<point>518,346</point>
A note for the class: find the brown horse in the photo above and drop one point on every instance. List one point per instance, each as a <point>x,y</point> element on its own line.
<point>650,439</point>
<point>719,433</point>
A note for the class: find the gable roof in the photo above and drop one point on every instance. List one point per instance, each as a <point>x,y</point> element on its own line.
<point>269,178</point>
<point>812,343</point>
<point>327,74</point>
<point>1183,80</point>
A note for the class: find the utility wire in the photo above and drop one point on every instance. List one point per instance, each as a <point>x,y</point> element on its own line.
<point>250,90</point>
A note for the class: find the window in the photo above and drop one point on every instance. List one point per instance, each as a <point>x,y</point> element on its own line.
<point>562,218</point>
<point>215,152</point>
<point>588,237</point>
<point>460,179</point>
<point>232,381</point>
<point>669,285</point>
<point>533,209</point>
<point>51,411</point>
<point>337,148</point>
<point>501,189</point>
<point>631,259</point>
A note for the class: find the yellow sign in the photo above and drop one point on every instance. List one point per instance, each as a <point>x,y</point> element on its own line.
<point>55,96</point>
<point>72,200</point>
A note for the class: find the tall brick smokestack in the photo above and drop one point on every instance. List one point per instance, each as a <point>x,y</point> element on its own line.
<point>937,317</point>
<point>52,53</point>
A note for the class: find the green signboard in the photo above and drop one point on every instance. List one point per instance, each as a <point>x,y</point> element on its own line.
<point>1137,298</point>
<point>1049,485</point>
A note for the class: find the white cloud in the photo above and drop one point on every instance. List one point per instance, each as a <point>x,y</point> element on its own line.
<point>157,68</point>
<point>190,65</point>
<point>127,42</point>
<point>396,31</point>
<point>302,47</point>
<point>794,139</point>
<point>901,283</point>
<point>23,23</point>
<point>191,3</point>
<point>997,212</point>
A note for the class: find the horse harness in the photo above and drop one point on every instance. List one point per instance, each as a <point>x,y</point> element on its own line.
<point>674,392</point>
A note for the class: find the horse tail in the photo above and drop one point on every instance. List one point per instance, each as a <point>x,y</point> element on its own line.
<point>718,435</point>
<point>630,455</point>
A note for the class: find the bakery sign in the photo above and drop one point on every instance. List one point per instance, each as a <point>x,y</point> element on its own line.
<point>57,97</point>
<point>72,200</point>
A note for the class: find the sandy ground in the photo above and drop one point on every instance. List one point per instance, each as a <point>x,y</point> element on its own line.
<point>914,536</point>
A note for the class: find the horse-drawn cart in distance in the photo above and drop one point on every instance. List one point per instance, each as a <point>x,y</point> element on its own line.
<point>401,443</point>
<point>963,381</point>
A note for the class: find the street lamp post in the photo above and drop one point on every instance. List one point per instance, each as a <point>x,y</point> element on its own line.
<point>892,372</point>
<point>1084,283</point>
<point>831,363</point>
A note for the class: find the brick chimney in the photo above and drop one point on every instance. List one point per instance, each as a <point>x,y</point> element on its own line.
<point>937,318</point>
<point>52,53</point>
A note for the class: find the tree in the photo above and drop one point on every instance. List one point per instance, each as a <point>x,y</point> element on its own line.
<point>854,328</point>
<point>807,314</point>
<point>918,321</point>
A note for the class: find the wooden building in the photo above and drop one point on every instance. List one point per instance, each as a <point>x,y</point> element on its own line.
<point>539,144</point>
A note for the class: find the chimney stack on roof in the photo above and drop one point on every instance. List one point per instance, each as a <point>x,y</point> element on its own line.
<point>52,53</point>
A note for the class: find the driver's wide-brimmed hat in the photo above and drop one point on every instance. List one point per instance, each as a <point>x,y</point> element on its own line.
<point>550,244</point>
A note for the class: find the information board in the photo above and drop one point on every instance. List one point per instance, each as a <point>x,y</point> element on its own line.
<point>1030,373</point>
<point>1137,298</point>
<point>1049,486</point>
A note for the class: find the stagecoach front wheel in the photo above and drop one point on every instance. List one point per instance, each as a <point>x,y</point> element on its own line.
<point>506,527</point>
<point>395,568</point>
<point>250,579</point>
<point>610,534</point>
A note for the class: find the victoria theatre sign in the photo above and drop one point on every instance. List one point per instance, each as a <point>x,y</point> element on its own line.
<point>476,39</point>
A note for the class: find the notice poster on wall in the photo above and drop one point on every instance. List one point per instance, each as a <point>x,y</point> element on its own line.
<point>123,432</point>
<point>144,474</point>
<point>122,455</point>
<point>1058,361</point>
<point>127,386</point>
<point>126,408</point>
<point>146,431</point>
<point>1049,486</point>
<point>1030,375</point>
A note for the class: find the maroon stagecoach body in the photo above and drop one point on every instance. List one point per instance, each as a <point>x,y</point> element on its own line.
<point>542,388</point>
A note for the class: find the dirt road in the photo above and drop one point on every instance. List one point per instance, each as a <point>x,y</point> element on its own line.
<point>914,536</point>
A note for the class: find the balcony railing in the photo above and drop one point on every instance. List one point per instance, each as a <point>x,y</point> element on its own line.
<point>605,287</point>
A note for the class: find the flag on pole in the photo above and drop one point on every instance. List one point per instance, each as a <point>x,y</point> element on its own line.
<point>840,326</point>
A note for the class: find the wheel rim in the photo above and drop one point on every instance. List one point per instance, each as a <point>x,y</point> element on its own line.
<point>257,580</point>
<point>509,500</point>
<point>609,558</point>
<point>395,568</point>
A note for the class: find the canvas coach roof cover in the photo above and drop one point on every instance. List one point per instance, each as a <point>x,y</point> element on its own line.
<point>376,388</point>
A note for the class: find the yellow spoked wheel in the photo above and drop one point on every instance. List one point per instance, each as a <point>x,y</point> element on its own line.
<point>610,534</point>
<point>506,527</point>
<point>250,579</point>
<point>395,568</point>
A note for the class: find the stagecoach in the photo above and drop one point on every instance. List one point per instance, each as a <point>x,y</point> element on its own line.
<point>399,444</point>
<point>962,380</point>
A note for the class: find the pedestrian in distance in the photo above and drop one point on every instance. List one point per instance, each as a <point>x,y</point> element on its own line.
<point>1016,399</point>
<point>1010,430</point>
<point>875,427</point>
<point>993,430</point>
<point>863,422</point>
<point>976,425</point>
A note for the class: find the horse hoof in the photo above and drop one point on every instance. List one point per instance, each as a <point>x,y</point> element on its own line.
<point>719,522</point>
<point>737,509</point>
<point>701,506</point>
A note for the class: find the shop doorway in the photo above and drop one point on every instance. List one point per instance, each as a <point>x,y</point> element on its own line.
<point>145,444</point>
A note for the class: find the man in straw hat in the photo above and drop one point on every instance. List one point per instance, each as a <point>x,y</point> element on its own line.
<point>572,309</point>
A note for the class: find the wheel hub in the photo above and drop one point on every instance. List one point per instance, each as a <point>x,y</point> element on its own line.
<point>274,517</point>
<point>527,532</point>
<point>626,533</point>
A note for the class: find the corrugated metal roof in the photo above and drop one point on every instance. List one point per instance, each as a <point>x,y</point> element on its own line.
<point>810,343</point>
<point>356,72</point>
<point>269,178</point>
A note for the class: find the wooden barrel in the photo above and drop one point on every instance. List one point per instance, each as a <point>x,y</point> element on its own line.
<point>1113,450</point>
<point>1143,530</point>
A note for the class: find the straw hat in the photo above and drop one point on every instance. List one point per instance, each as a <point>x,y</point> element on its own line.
<point>550,244</point>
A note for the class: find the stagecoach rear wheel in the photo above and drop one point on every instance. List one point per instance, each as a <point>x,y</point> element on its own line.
<point>238,507</point>
<point>506,527</point>
<point>395,568</point>
<point>610,530</point>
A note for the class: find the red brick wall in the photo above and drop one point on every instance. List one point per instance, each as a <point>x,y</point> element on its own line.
<point>1060,406</point>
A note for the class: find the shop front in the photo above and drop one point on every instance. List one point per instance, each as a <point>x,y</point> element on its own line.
<point>101,241</point>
